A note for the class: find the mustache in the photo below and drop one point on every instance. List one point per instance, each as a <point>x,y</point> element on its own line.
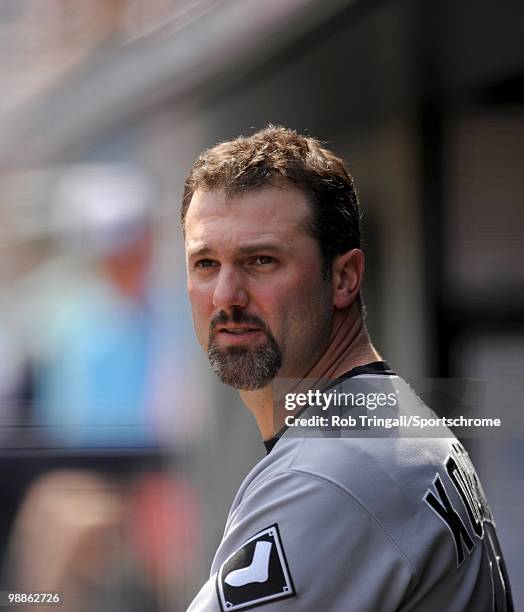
<point>238,317</point>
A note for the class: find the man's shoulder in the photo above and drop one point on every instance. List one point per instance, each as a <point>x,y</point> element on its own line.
<point>385,480</point>
<point>379,465</point>
<point>365,467</point>
<point>380,472</point>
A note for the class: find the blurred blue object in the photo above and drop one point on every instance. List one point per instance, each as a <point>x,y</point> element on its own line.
<point>92,385</point>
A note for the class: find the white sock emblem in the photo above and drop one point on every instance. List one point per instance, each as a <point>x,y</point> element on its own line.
<point>257,571</point>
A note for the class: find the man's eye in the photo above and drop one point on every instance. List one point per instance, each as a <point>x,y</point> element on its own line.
<point>205,263</point>
<point>263,260</point>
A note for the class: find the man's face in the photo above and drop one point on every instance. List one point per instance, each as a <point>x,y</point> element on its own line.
<point>260,301</point>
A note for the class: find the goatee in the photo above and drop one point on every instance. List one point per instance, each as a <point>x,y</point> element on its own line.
<point>239,366</point>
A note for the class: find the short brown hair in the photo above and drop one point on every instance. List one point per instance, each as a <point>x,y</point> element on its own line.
<point>280,156</point>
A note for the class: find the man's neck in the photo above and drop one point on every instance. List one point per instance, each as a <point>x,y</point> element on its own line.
<point>357,351</point>
<point>260,403</point>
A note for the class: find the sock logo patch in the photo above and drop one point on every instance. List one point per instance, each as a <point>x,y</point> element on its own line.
<point>257,573</point>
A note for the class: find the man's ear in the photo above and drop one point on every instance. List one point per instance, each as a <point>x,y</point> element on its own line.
<point>347,272</point>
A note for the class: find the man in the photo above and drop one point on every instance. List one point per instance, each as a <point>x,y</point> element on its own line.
<point>324,521</point>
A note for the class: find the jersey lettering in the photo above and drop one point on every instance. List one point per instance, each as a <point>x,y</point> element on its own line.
<point>443,507</point>
<point>463,475</point>
<point>467,484</point>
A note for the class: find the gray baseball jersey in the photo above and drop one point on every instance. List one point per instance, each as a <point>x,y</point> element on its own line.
<point>360,524</point>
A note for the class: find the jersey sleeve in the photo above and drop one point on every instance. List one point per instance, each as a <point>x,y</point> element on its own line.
<point>298,541</point>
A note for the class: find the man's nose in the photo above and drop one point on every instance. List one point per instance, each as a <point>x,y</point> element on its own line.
<point>229,290</point>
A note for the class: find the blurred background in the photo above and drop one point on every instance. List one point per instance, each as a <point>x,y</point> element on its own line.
<point>119,452</point>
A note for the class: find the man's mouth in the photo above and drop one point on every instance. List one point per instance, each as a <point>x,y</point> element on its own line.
<point>239,331</point>
<point>236,333</point>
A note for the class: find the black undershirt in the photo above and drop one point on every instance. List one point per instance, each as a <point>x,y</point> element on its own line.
<point>375,367</point>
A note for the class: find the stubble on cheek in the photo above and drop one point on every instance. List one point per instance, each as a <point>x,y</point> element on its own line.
<point>200,325</point>
<point>309,326</point>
